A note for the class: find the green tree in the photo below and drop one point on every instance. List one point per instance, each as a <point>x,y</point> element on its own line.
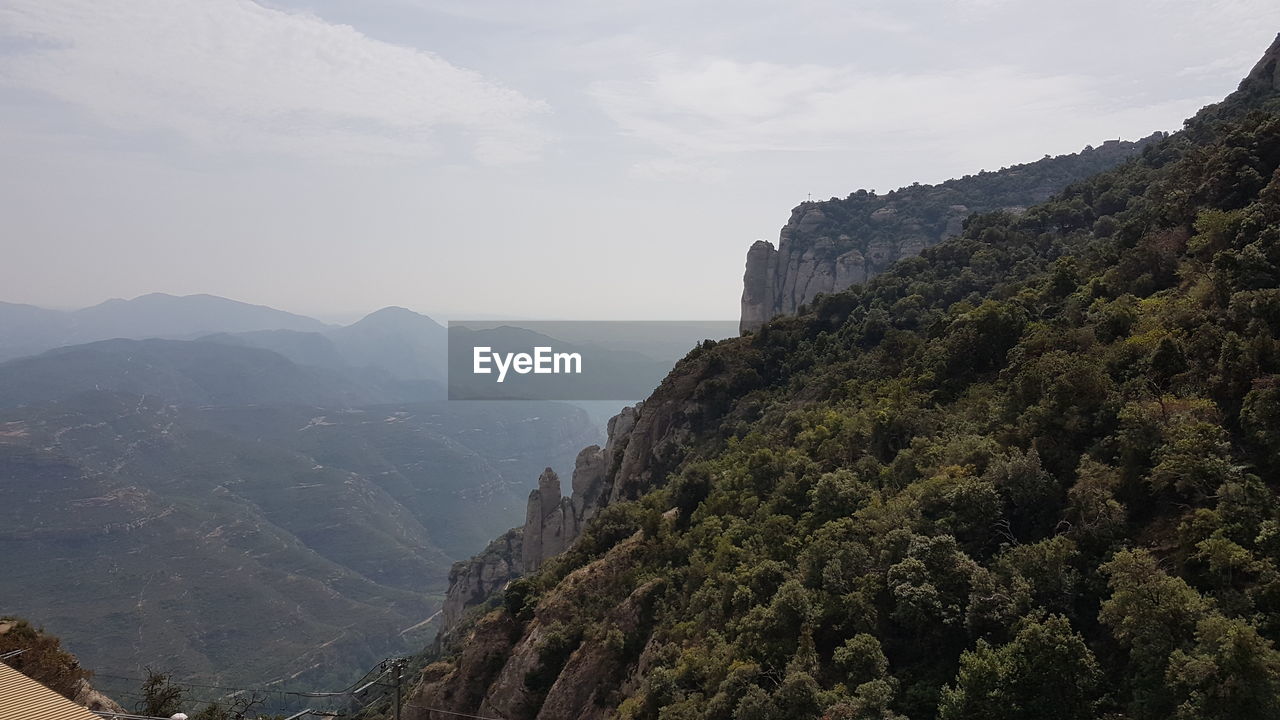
<point>1260,418</point>
<point>1151,614</point>
<point>1232,672</point>
<point>1032,497</point>
<point>931,585</point>
<point>1045,673</point>
<point>861,659</point>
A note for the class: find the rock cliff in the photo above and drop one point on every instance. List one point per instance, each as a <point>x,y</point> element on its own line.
<point>1264,78</point>
<point>829,246</point>
<point>552,523</point>
<point>512,670</point>
<point>473,581</point>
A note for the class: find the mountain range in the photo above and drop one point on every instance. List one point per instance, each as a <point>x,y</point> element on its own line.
<point>392,343</point>
<point>236,493</point>
<point>27,329</point>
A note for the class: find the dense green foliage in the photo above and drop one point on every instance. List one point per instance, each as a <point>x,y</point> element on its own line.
<point>1029,474</point>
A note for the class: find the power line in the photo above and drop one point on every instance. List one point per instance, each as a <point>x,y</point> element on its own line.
<point>124,716</point>
<point>351,691</point>
<point>450,712</point>
<point>317,713</point>
<point>227,688</point>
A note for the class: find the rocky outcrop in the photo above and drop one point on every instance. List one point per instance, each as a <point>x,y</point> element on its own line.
<point>583,685</point>
<point>588,479</point>
<point>494,674</point>
<point>779,280</point>
<point>474,581</point>
<point>830,246</point>
<point>87,696</point>
<point>552,523</point>
<point>1265,75</point>
<point>452,688</point>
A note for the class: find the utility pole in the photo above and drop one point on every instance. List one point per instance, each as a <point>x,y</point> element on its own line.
<point>398,668</point>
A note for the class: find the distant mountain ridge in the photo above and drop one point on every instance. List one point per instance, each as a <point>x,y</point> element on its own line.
<point>393,345</point>
<point>181,372</point>
<point>28,330</point>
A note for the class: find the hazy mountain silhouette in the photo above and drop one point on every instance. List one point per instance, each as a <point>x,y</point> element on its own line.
<point>407,344</point>
<point>26,329</point>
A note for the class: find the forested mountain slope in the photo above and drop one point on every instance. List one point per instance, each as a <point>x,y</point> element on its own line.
<point>1028,474</point>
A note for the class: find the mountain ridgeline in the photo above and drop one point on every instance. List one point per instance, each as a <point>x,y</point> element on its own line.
<point>1029,473</point>
<point>831,245</point>
<point>28,330</point>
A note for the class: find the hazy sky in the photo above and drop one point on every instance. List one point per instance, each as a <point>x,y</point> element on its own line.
<point>557,158</point>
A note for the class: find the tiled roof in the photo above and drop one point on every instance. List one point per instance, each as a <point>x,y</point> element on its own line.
<point>22,698</point>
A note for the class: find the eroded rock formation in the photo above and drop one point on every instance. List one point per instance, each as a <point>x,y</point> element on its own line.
<point>832,245</point>
<point>552,523</point>
<point>503,668</point>
<point>473,581</point>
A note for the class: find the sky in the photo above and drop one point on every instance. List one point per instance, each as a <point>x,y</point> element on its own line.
<point>566,159</point>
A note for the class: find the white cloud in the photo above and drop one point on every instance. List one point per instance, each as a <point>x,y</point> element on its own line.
<point>700,109</point>
<point>233,75</point>
<point>669,168</point>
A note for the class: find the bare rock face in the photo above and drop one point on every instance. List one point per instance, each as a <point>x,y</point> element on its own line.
<point>583,684</point>
<point>460,688</point>
<point>548,524</point>
<point>552,523</point>
<point>655,436</point>
<point>87,696</point>
<point>829,246</point>
<point>759,298</point>
<point>471,582</point>
<point>1265,75</point>
<point>588,480</point>
<point>812,259</point>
